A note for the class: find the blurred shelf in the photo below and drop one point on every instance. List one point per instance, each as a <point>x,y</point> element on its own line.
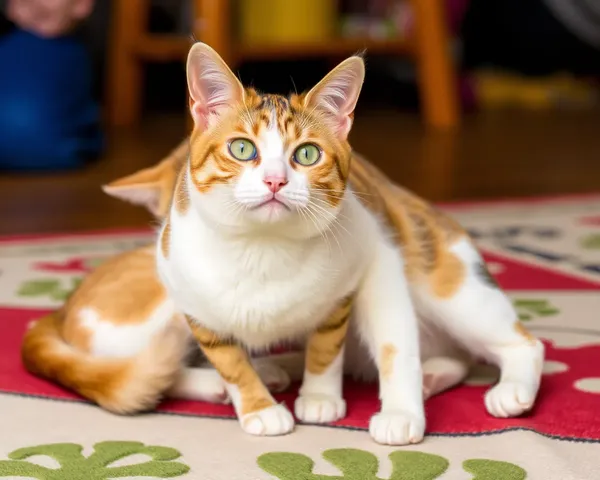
<point>132,45</point>
<point>163,48</point>
<point>333,47</point>
<point>173,47</point>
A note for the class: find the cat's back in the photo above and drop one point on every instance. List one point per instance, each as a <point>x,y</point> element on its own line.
<point>424,234</point>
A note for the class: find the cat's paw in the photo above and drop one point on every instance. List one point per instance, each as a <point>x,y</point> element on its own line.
<point>275,378</point>
<point>397,428</point>
<point>319,408</point>
<point>271,421</point>
<point>509,399</point>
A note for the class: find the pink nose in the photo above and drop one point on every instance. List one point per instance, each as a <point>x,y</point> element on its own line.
<point>275,183</point>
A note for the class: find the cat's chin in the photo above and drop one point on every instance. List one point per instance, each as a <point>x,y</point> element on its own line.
<point>272,211</point>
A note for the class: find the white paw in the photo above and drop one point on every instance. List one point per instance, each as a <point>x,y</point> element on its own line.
<point>275,378</point>
<point>320,408</point>
<point>509,399</point>
<point>271,421</point>
<point>397,428</point>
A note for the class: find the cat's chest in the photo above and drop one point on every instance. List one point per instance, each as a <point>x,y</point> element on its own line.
<point>258,291</point>
<point>258,276</point>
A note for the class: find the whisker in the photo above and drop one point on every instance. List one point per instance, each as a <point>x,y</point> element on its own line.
<point>355,192</point>
<point>314,219</point>
<point>324,204</point>
<point>334,220</point>
<point>294,84</point>
<point>331,232</point>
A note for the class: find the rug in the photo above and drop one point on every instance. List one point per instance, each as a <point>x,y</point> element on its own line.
<point>544,252</point>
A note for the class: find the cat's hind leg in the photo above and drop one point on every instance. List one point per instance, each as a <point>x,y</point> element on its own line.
<point>442,373</point>
<point>465,301</point>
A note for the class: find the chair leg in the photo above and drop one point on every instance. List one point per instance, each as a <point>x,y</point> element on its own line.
<point>212,25</point>
<point>437,75</point>
<point>125,70</point>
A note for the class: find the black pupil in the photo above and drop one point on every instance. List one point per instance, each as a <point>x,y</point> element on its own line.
<point>242,147</point>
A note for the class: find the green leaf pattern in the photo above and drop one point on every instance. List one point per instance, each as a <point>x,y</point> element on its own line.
<point>590,241</point>
<point>52,288</point>
<point>528,309</point>
<point>360,465</point>
<point>75,466</point>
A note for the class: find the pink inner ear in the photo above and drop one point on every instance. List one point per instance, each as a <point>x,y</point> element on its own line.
<point>344,125</point>
<point>200,114</point>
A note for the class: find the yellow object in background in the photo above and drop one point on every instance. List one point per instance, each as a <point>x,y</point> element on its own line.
<point>500,89</point>
<point>287,21</point>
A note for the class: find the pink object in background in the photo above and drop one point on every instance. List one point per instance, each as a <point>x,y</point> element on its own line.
<point>48,18</point>
<point>456,10</point>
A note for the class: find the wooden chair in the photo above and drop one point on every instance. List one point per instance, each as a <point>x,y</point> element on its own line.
<point>133,46</point>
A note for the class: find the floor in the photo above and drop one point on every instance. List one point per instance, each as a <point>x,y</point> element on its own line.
<point>501,154</point>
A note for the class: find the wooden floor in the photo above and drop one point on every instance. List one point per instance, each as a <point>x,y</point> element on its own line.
<point>493,156</point>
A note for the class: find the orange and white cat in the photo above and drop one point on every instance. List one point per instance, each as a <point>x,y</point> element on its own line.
<point>118,341</point>
<point>269,240</point>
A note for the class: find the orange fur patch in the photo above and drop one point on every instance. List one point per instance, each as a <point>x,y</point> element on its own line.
<point>124,290</point>
<point>181,198</point>
<point>232,363</point>
<point>159,179</point>
<point>523,332</point>
<point>386,361</point>
<point>165,239</point>
<point>448,275</point>
<point>325,344</point>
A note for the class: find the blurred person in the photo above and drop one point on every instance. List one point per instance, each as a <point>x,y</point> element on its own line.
<point>48,18</point>
<point>49,119</point>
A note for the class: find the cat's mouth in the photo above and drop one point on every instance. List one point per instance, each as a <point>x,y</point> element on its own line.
<point>271,202</point>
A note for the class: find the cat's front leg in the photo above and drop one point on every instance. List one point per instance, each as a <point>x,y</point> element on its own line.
<point>387,322</point>
<point>257,411</point>
<point>320,399</point>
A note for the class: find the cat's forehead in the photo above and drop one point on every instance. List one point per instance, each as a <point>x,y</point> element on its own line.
<point>276,103</point>
<point>272,102</point>
<point>268,111</point>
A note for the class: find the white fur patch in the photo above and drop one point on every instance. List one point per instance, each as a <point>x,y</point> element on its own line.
<point>272,153</point>
<point>121,341</point>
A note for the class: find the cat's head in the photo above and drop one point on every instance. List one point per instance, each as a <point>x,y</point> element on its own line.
<point>264,161</point>
<point>151,187</point>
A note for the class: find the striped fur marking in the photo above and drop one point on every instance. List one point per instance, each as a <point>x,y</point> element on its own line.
<point>232,363</point>
<point>327,341</point>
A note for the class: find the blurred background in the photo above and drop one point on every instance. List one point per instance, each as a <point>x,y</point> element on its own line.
<point>464,99</point>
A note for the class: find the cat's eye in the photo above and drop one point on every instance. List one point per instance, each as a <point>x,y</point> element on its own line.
<point>307,154</point>
<point>242,149</point>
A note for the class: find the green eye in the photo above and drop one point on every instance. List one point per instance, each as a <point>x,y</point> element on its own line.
<point>242,149</point>
<point>307,154</point>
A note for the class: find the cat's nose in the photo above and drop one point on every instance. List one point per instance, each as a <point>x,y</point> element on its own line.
<point>275,183</point>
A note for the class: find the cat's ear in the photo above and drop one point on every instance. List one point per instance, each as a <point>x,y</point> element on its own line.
<point>211,84</point>
<point>336,95</point>
<point>150,188</point>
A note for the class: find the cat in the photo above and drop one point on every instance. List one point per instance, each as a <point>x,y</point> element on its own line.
<point>144,377</point>
<point>118,340</point>
<point>272,237</point>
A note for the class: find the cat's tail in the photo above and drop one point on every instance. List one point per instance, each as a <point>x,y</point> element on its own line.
<point>120,385</point>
